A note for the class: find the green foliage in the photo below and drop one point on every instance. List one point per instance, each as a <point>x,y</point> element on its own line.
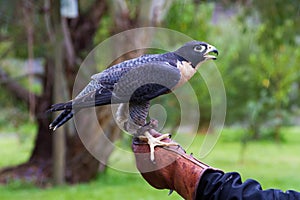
<point>13,150</point>
<point>258,60</point>
<point>14,112</point>
<point>190,19</point>
<point>275,65</point>
<point>12,116</point>
<point>104,31</point>
<point>27,76</point>
<point>280,23</point>
<point>226,155</point>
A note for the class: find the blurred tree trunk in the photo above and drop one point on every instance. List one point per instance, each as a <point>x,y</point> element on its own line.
<point>59,137</point>
<point>77,39</point>
<point>80,165</point>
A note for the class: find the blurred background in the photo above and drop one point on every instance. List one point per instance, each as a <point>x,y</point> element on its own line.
<point>44,42</point>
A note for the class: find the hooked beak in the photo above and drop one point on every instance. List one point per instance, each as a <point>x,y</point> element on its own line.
<point>211,53</point>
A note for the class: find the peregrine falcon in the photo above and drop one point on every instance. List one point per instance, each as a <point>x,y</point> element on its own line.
<point>133,83</point>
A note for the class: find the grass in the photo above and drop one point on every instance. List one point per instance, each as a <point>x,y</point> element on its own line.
<point>111,185</point>
<point>273,165</point>
<point>14,150</point>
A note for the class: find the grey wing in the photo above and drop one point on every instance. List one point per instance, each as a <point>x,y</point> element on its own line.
<point>99,91</point>
<point>94,94</point>
<point>146,82</point>
<point>120,85</point>
<point>140,84</point>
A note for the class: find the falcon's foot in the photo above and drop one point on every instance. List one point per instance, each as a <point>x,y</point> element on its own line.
<point>152,124</point>
<point>155,141</point>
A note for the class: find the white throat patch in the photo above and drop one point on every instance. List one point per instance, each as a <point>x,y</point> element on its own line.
<point>187,72</point>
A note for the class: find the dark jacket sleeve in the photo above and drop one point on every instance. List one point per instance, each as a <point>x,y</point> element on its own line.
<point>217,185</point>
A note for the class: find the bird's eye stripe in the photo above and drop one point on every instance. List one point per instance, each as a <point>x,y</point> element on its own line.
<point>200,48</point>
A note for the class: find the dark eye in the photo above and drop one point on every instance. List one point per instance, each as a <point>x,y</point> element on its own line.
<point>199,48</point>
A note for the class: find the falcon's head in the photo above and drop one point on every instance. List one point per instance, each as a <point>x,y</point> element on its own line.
<point>197,52</point>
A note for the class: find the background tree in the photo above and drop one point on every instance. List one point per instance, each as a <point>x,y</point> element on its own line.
<point>39,23</point>
<point>62,43</point>
<point>258,62</point>
<point>275,65</point>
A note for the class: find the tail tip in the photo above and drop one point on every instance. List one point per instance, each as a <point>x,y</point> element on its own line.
<point>53,128</point>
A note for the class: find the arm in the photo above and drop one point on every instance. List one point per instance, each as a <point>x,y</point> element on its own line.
<point>217,185</point>
<point>175,170</point>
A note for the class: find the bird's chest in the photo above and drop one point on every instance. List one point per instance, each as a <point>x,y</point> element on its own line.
<point>186,71</point>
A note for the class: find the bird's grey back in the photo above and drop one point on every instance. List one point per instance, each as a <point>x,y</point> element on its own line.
<point>113,73</point>
<point>107,78</point>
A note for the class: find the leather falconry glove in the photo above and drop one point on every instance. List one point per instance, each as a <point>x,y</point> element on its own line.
<point>172,169</point>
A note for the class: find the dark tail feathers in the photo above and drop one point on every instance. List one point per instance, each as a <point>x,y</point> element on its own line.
<point>64,116</point>
<point>61,119</point>
<point>61,106</point>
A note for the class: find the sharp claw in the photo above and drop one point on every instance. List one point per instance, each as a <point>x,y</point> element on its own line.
<point>153,161</point>
<point>170,192</point>
<point>156,141</point>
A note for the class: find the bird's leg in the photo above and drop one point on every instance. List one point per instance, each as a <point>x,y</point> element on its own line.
<point>145,134</point>
<point>152,124</point>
